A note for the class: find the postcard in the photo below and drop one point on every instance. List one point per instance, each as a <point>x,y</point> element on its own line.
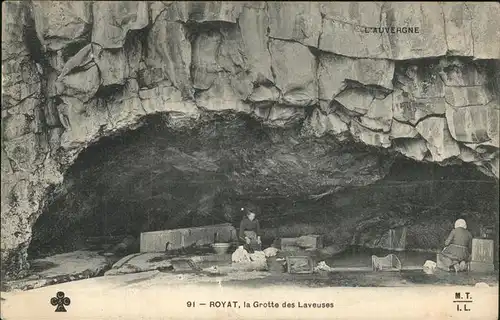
<point>250,160</point>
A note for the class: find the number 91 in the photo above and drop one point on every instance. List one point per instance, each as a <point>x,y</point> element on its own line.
<point>190,304</point>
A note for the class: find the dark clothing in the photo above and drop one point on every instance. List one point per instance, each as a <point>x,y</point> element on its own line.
<point>251,230</point>
<point>248,225</point>
<point>254,244</point>
<point>461,237</point>
<point>458,247</point>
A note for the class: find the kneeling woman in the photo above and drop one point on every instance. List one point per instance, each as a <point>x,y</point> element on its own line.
<point>249,232</point>
<point>456,253</point>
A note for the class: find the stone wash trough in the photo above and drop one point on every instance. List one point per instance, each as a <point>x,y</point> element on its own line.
<point>125,117</point>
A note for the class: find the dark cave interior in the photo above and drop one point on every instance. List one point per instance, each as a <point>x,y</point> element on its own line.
<point>156,178</point>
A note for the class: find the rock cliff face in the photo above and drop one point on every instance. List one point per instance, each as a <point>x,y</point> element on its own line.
<point>74,72</point>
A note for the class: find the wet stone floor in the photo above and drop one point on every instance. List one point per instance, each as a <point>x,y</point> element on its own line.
<point>351,268</point>
<point>370,279</point>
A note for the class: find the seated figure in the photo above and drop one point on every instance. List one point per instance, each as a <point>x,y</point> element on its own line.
<point>249,233</point>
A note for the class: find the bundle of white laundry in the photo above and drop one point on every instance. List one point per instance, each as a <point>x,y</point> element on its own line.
<point>429,267</point>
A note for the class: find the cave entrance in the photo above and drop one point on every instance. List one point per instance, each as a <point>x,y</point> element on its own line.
<point>157,177</point>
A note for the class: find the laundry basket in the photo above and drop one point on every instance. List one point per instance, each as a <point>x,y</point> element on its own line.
<point>388,263</point>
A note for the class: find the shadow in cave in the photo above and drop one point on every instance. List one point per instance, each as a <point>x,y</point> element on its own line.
<point>157,178</point>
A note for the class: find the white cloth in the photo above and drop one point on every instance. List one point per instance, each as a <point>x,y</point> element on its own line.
<point>460,223</point>
<point>270,252</point>
<point>258,256</point>
<point>256,261</point>
<point>322,266</point>
<point>240,255</point>
<point>429,267</point>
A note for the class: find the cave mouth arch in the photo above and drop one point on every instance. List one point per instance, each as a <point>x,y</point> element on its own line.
<point>159,177</point>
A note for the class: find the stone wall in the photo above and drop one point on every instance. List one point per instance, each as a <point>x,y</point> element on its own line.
<point>74,72</point>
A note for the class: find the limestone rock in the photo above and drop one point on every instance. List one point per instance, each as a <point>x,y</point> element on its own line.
<point>117,65</point>
<point>473,124</point>
<point>199,11</point>
<point>420,81</point>
<point>320,124</point>
<point>112,21</point>
<point>50,113</point>
<point>379,115</point>
<point>226,94</point>
<point>81,59</point>
<point>83,85</point>
<point>204,64</point>
<point>6,166</point>
<point>299,21</point>
<point>14,20</point>
<point>264,94</point>
<point>468,155</point>
<point>298,85</point>
<point>494,167</point>
<point>412,110</point>
<point>20,80</point>
<point>484,29</point>
<point>439,140</point>
<point>166,98</point>
<point>353,41</point>
<point>402,130</point>
<point>157,7</point>
<point>215,52</point>
<point>52,86</point>
<point>344,30</point>
<point>37,123</point>
<point>431,39</point>
<point>54,137</point>
<point>22,151</point>
<point>231,55</point>
<point>412,148</point>
<point>61,23</point>
<point>253,24</point>
<point>125,107</point>
<point>82,121</point>
<point>113,67</point>
<point>458,74</point>
<point>173,57</point>
<point>366,14</point>
<point>369,137</point>
<point>261,112</point>
<point>467,96</point>
<point>358,100</point>
<point>56,60</point>
<point>284,115</point>
<point>150,77</point>
<point>333,70</point>
<point>15,126</point>
<point>458,27</point>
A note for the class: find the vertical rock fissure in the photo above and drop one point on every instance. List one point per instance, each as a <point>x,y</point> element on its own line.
<point>444,28</point>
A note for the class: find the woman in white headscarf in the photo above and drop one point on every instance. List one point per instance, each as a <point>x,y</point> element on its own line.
<point>456,253</point>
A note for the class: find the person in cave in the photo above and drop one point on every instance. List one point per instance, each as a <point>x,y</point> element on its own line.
<point>249,233</point>
<point>456,253</point>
